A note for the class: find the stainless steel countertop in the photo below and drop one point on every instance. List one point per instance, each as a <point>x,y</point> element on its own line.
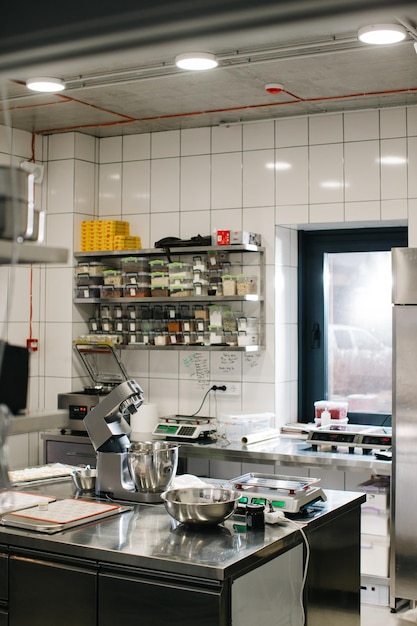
<point>288,451</point>
<point>146,537</point>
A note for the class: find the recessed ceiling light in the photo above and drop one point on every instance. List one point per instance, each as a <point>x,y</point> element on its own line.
<point>196,61</point>
<point>382,33</point>
<point>44,83</point>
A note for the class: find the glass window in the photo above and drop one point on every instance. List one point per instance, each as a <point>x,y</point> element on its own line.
<point>357,296</point>
<point>345,321</point>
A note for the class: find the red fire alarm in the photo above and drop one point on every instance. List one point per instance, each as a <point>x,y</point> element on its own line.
<point>274,88</point>
<point>32,345</point>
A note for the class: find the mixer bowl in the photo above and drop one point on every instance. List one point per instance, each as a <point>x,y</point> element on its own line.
<point>201,505</point>
<point>152,465</point>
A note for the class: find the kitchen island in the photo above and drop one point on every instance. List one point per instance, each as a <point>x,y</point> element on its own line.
<point>142,566</point>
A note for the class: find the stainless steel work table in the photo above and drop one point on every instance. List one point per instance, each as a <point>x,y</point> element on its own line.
<point>66,447</point>
<point>287,451</point>
<point>144,546</point>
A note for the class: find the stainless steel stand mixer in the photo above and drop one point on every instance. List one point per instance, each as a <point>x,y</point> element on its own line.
<point>117,458</point>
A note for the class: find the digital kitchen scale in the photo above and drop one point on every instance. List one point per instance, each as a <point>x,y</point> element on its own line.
<point>185,427</point>
<point>288,494</point>
<point>352,436</point>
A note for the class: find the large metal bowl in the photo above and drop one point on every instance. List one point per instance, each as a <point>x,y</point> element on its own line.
<point>152,465</point>
<point>201,505</point>
<point>84,478</point>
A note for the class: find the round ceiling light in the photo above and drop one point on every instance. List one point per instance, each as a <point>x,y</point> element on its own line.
<point>46,84</point>
<point>196,61</point>
<point>382,33</point>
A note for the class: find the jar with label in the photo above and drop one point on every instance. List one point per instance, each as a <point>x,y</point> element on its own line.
<point>229,285</point>
<point>230,337</point>
<point>247,338</point>
<point>113,277</point>
<point>188,326</point>
<point>133,326</point>
<point>90,279</point>
<point>105,311</point>
<point>246,285</point>
<point>216,315</point>
<point>161,339</point>
<point>87,291</point>
<point>200,289</point>
<point>117,311</point>
<point>216,334</point>
<point>199,264</point>
<point>119,325</point>
<point>229,321</point>
<point>94,325</point>
<point>250,324</point>
<point>201,326</point>
<point>201,312</point>
<point>111,291</point>
<point>131,312</point>
<point>107,326</point>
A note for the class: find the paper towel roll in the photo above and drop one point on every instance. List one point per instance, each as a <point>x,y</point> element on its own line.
<point>145,419</point>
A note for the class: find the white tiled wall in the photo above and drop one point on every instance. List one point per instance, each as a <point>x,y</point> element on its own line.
<point>271,177</point>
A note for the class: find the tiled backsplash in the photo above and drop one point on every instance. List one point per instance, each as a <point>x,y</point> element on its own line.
<point>269,177</point>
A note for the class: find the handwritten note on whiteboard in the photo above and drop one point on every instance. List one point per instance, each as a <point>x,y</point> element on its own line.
<point>198,366</point>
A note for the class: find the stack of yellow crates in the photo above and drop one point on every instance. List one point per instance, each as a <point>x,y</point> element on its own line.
<point>127,242</point>
<point>107,235</point>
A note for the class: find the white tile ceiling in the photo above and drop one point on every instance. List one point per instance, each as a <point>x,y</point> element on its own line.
<point>124,88</point>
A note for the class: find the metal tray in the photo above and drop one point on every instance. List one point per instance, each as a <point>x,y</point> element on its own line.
<point>276,482</point>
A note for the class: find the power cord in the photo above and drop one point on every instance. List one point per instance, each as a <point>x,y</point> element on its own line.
<point>212,388</point>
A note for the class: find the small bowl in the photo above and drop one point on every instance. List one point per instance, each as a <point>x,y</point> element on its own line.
<point>201,505</point>
<point>84,478</point>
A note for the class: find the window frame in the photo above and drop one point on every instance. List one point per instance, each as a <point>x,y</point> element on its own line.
<point>312,246</point>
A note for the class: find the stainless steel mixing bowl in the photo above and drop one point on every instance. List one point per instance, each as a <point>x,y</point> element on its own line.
<point>152,465</point>
<point>84,478</point>
<point>201,505</point>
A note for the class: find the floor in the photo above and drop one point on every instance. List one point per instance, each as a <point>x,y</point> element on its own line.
<point>374,615</point>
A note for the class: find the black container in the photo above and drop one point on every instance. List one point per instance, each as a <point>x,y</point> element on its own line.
<point>255,517</point>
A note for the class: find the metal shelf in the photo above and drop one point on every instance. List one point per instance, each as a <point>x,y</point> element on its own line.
<point>162,251</point>
<point>170,300</point>
<point>12,253</point>
<point>116,255</point>
<point>194,347</point>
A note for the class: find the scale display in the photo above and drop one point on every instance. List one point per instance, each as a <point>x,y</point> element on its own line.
<point>353,436</point>
<point>184,427</point>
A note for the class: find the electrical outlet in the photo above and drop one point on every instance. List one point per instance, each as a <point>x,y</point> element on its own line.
<point>232,389</point>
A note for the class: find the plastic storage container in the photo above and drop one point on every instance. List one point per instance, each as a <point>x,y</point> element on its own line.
<point>234,426</point>
<point>135,264</point>
<point>246,285</point>
<point>337,410</point>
